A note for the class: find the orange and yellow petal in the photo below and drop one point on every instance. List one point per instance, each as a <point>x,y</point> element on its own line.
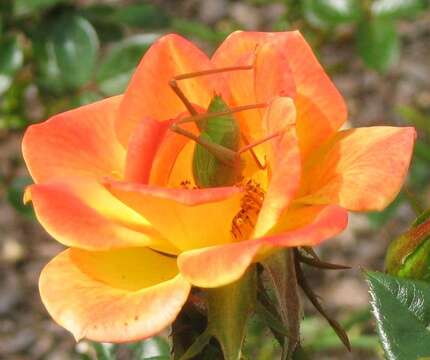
<point>80,142</point>
<point>82,213</point>
<point>360,169</point>
<point>187,218</point>
<point>113,296</point>
<point>220,265</point>
<point>320,108</point>
<point>283,156</point>
<point>149,94</point>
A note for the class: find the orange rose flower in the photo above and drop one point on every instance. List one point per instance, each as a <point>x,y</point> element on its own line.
<point>110,182</point>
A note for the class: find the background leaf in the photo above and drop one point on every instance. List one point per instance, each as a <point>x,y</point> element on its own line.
<point>115,71</point>
<point>67,52</point>
<point>334,12</point>
<point>143,15</point>
<point>28,7</point>
<point>378,43</point>
<point>397,8</point>
<point>11,60</point>
<point>402,311</point>
<point>15,195</point>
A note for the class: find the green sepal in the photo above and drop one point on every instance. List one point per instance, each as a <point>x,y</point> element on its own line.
<point>281,274</point>
<point>229,309</point>
<point>408,256</point>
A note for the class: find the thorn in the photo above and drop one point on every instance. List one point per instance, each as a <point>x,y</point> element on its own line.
<point>341,333</point>
<point>310,251</point>
<point>321,264</point>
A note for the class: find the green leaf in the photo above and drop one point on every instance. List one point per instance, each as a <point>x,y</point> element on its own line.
<point>116,70</point>
<point>145,16</point>
<point>397,8</point>
<point>66,53</point>
<point>11,60</point>
<point>15,195</point>
<point>378,43</point>
<point>100,16</point>
<point>29,7</point>
<point>332,12</point>
<point>402,311</point>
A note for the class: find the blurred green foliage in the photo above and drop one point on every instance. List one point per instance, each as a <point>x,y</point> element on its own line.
<point>60,54</point>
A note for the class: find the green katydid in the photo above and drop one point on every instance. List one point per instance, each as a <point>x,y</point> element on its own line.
<point>216,159</point>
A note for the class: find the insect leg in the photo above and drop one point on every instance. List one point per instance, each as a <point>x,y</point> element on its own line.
<point>222,153</point>
<point>253,154</point>
<point>261,141</point>
<point>200,117</point>
<point>173,83</point>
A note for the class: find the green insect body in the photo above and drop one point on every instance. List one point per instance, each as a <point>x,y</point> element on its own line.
<point>218,166</point>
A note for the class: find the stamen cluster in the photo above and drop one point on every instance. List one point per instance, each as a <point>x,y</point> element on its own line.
<point>244,221</point>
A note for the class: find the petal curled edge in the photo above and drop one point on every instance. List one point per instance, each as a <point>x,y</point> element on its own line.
<point>321,110</point>
<point>360,169</point>
<point>283,156</point>
<point>86,294</point>
<point>81,213</point>
<point>155,153</point>
<point>142,149</point>
<point>187,218</point>
<point>80,142</point>
<point>220,265</point>
<point>149,94</point>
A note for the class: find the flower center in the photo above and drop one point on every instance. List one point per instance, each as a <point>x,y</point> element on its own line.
<point>244,221</point>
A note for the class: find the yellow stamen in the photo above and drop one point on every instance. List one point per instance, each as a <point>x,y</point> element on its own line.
<point>244,222</point>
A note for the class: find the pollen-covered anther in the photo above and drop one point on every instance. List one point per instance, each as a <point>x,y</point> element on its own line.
<point>244,221</point>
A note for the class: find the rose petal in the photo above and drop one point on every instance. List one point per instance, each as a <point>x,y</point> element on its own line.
<point>142,149</point>
<point>79,142</point>
<point>187,218</point>
<point>113,296</point>
<point>83,214</point>
<point>284,163</point>
<point>320,108</point>
<point>360,169</point>
<point>220,265</point>
<point>149,93</point>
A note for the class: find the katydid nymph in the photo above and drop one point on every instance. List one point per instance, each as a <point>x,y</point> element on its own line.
<point>216,159</point>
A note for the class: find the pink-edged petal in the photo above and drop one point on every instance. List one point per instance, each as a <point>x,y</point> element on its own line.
<point>149,93</point>
<point>220,265</point>
<point>187,218</point>
<point>360,169</point>
<point>115,296</point>
<point>79,142</point>
<point>83,214</point>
